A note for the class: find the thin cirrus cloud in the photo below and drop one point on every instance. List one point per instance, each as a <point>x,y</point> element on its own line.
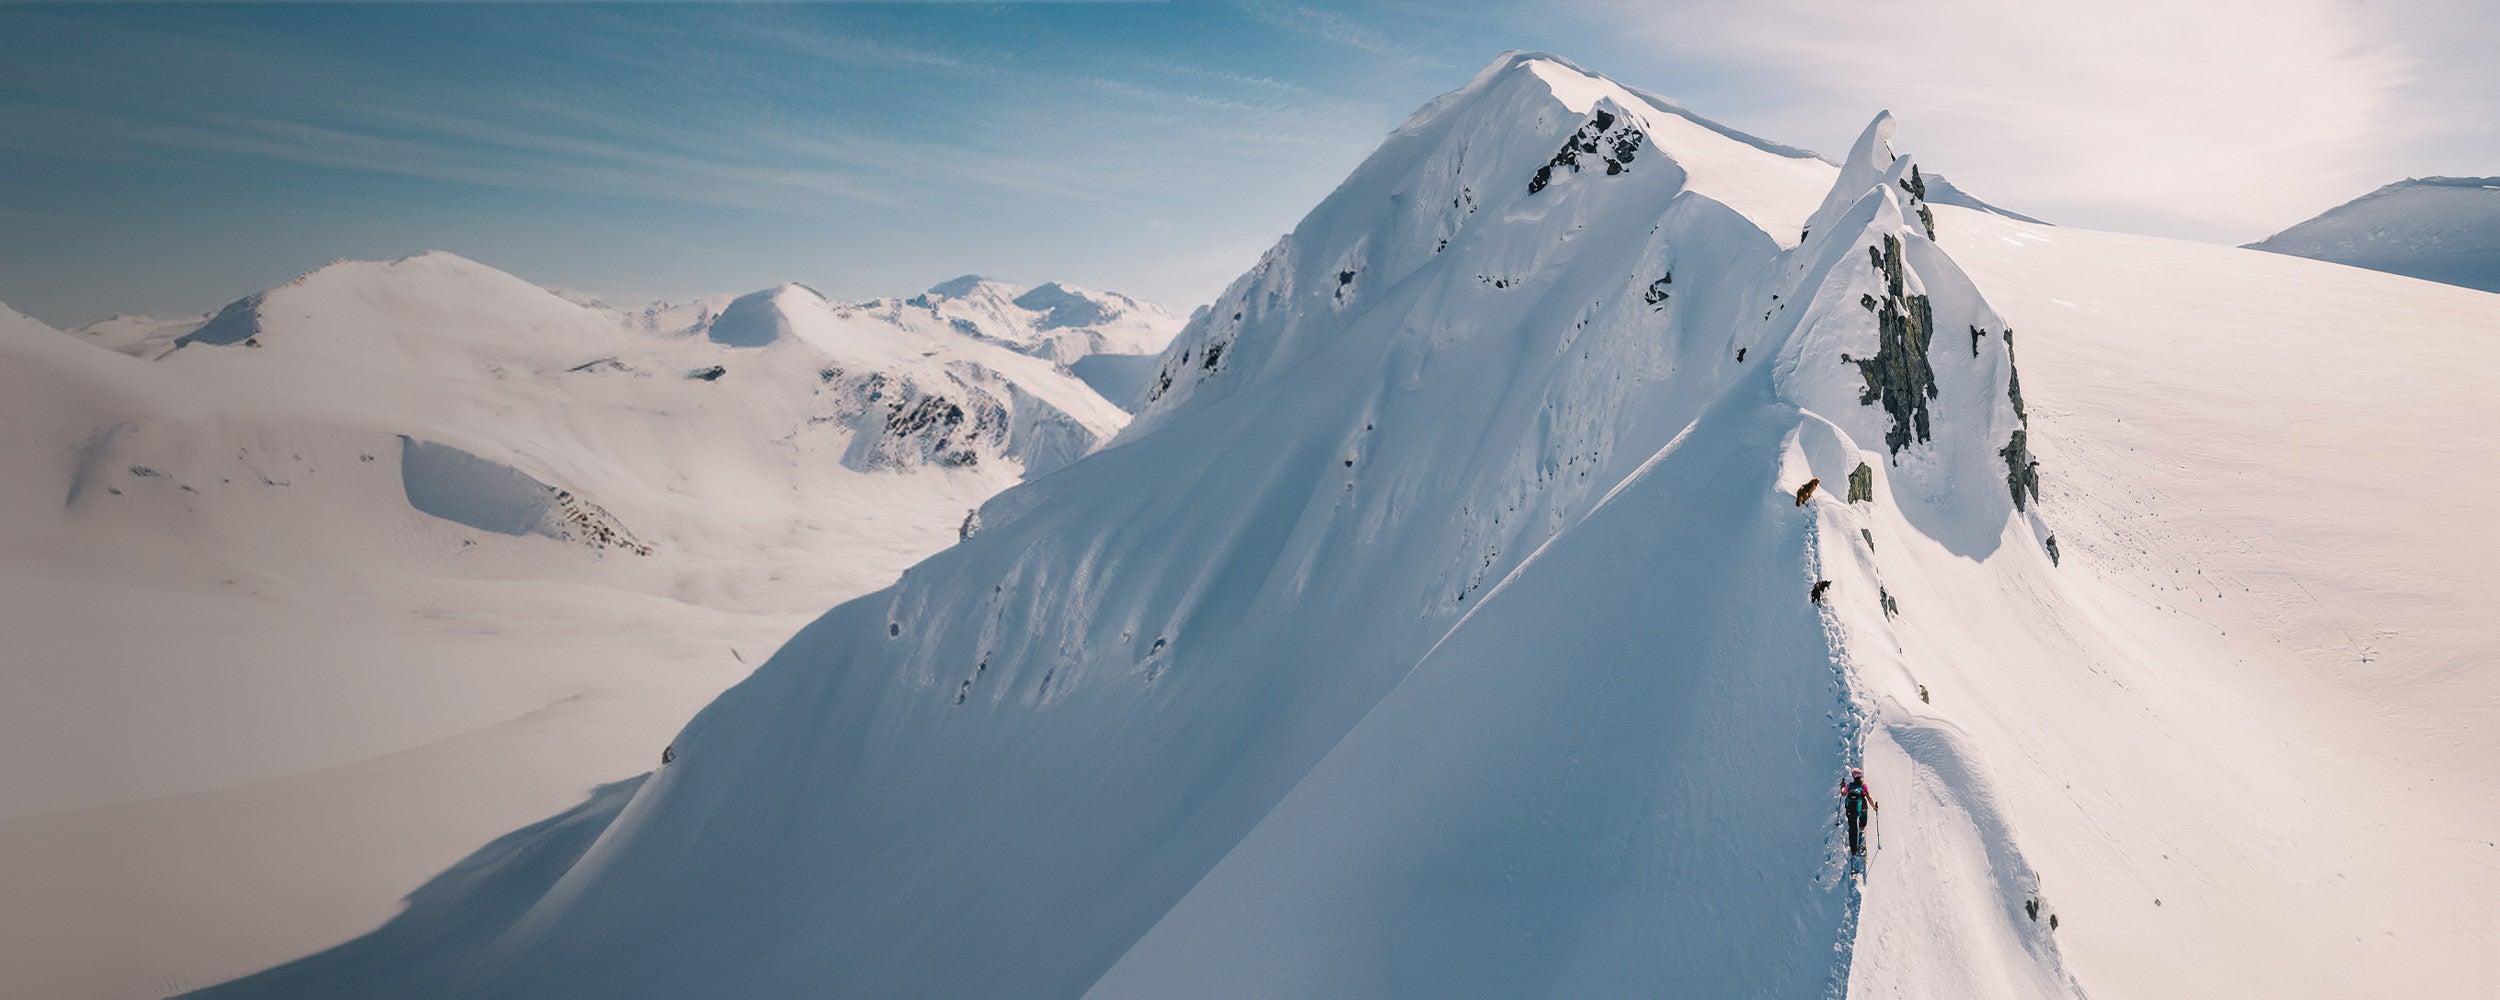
<point>2217,121</point>
<point>144,152</point>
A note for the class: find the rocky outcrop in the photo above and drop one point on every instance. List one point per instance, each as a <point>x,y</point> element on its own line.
<point>1899,376</point>
<point>1615,147</point>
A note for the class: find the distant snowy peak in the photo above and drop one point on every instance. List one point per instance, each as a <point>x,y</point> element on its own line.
<point>1056,321</point>
<point>759,318</point>
<point>408,309</point>
<point>913,382</point>
<point>2444,229</point>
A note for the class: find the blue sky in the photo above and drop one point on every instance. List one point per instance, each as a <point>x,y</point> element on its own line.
<point>168,158</point>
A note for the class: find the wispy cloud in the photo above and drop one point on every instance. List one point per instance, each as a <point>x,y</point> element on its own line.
<point>2218,120</point>
<point>1326,25</point>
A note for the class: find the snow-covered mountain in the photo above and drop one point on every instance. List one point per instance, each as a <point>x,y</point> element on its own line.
<point>280,579</point>
<point>2444,229</point>
<point>1499,577</point>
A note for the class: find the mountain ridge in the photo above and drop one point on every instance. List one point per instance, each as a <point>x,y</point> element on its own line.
<point>2443,229</point>
<point>1460,617</point>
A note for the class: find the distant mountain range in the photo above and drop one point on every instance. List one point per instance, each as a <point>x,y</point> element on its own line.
<point>422,524</point>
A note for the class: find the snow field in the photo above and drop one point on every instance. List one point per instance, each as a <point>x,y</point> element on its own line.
<point>274,682</point>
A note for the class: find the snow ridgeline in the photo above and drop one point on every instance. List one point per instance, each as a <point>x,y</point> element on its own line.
<point>1409,627</point>
<point>1446,625</point>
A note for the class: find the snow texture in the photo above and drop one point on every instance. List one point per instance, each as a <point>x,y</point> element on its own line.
<point>1440,627</point>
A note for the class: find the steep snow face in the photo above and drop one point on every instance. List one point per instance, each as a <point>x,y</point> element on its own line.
<point>1503,574</point>
<point>399,525</point>
<point>2444,229</point>
<point>1468,174</point>
<point>1470,596</point>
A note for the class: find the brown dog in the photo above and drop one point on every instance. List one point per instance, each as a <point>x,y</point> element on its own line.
<point>1806,492</point>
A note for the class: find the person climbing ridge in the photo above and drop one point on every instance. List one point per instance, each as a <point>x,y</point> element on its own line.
<point>1857,809</point>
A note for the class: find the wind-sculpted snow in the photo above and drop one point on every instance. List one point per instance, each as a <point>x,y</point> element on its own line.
<point>1451,623</point>
<point>457,486</point>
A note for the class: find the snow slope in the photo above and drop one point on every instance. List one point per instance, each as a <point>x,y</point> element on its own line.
<point>140,336</point>
<point>1943,192</point>
<point>1445,626</point>
<point>2444,229</point>
<point>402,554</point>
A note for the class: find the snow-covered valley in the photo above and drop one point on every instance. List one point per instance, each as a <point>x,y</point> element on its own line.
<point>1456,619</point>
<point>380,563</point>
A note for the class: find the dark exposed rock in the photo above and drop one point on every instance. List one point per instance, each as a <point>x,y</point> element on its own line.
<point>2051,545</point>
<point>708,374</point>
<point>2014,380</point>
<point>1599,137</point>
<point>1862,487</point>
<point>2022,472</point>
<point>1657,292</point>
<point>1898,376</point>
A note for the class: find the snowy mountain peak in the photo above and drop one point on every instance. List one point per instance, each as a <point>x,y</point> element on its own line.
<point>762,317</point>
<point>960,286</point>
<point>2444,229</point>
<point>1871,164</point>
<point>1063,306</point>
<point>1474,192</point>
<point>407,308</point>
